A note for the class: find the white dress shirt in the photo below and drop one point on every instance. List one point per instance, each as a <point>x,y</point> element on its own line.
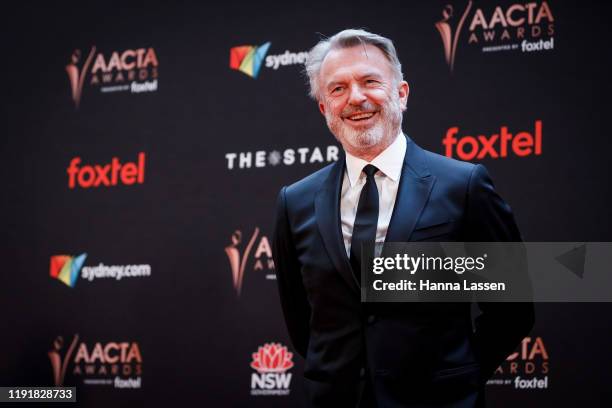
<point>389,164</point>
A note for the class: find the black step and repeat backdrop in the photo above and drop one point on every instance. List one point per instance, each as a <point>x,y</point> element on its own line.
<point>143,147</point>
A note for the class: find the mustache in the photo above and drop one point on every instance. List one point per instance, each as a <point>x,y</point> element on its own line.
<point>364,107</point>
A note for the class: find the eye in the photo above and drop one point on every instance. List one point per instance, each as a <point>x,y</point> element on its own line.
<point>372,82</point>
<point>336,90</point>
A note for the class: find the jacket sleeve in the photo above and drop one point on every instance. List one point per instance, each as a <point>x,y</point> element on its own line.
<point>294,302</point>
<point>501,326</point>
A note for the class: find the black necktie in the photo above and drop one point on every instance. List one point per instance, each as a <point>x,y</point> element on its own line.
<point>366,220</point>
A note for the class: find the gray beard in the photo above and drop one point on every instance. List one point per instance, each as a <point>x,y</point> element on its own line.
<point>386,128</point>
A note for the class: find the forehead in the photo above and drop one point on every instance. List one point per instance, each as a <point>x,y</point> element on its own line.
<point>355,61</point>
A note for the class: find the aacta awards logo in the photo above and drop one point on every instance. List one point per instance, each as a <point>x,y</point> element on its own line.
<point>495,146</point>
<point>271,361</point>
<point>249,59</point>
<point>518,27</point>
<point>106,175</point>
<point>133,70</point>
<point>114,363</point>
<point>239,258</point>
<point>66,269</point>
<point>526,369</point>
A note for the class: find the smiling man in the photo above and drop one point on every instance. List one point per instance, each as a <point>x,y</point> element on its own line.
<point>385,189</point>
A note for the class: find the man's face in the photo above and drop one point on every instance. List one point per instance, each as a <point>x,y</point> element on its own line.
<point>360,98</point>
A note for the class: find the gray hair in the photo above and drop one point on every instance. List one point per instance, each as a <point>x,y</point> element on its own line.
<point>348,39</point>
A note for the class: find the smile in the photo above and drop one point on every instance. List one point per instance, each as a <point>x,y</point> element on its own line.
<point>360,116</point>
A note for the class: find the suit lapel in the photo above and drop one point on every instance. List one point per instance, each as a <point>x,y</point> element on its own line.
<point>327,213</point>
<point>413,192</point>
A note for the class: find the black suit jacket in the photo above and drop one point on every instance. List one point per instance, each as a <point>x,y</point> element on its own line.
<point>415,355</point>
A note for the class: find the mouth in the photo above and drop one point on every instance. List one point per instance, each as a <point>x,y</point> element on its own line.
<point>360,117</point>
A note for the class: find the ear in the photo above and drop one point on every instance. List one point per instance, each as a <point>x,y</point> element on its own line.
<point>322,108</point>
<point>403,90</point>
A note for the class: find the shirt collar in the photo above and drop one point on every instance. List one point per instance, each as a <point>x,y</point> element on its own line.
<point>389,161</point>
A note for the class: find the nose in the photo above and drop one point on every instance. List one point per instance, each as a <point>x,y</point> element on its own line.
<point>356,95</point>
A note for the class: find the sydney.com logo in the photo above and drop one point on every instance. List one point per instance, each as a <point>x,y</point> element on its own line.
<point>67,268</point>
<point>248,59</point>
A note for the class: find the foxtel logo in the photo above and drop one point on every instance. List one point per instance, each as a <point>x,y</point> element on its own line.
<point>248,59</point>
<point>498,145</point>
<point>110,174</point>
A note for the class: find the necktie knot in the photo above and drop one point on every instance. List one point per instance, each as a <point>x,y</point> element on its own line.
<point>370,170</point>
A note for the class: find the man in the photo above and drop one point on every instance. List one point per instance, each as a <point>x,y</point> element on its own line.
<point>385,189</point>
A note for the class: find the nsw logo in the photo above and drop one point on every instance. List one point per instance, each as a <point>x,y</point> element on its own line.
<point>271,361</point>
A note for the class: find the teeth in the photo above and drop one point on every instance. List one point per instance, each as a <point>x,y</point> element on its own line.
<point>362,116</point>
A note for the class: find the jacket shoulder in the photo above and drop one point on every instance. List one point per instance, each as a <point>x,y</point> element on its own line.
<point>310,184</point>
<point>448,168</point>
